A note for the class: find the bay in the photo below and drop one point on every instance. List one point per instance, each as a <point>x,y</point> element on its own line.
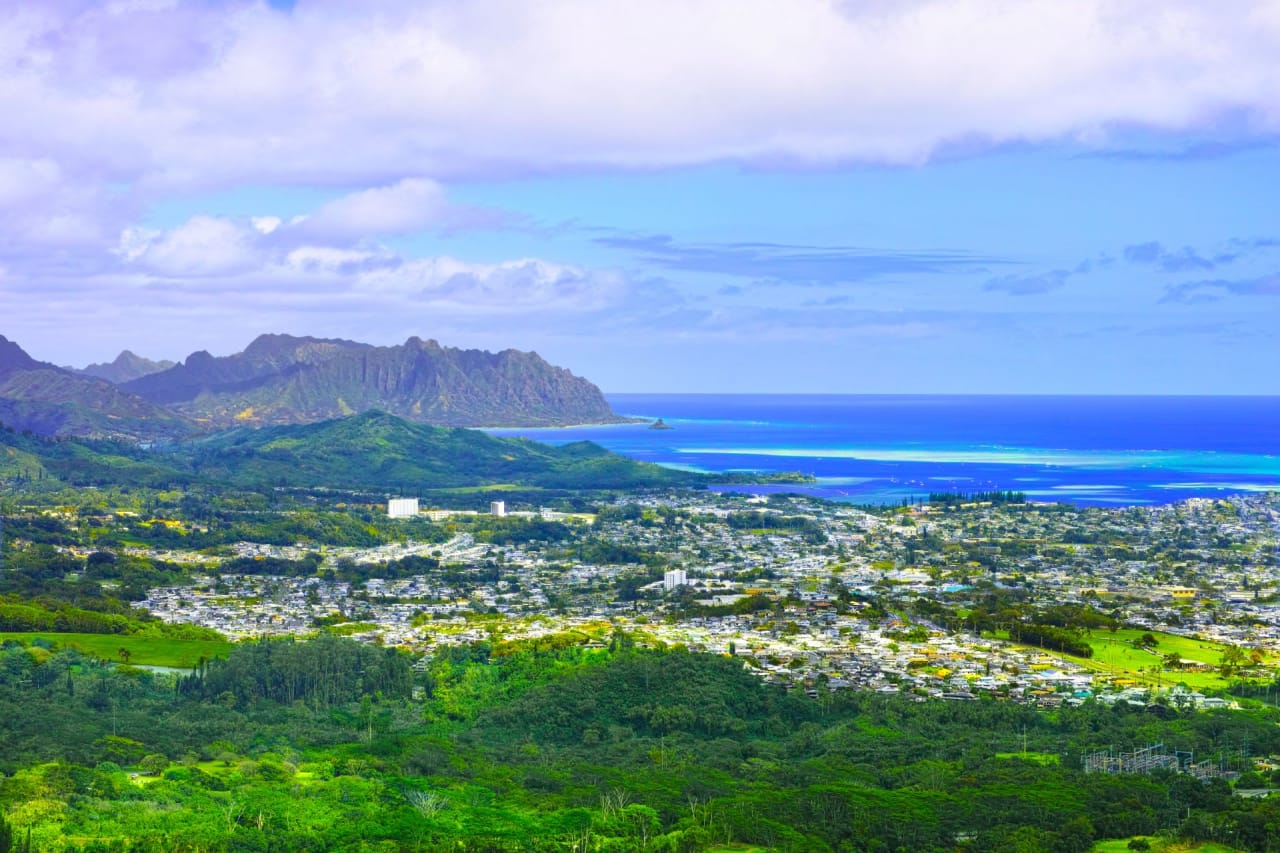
<point>889,448</point>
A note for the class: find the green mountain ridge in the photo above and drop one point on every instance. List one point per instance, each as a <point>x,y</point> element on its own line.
<point>372,451</point>
<point>281,379</point>
<point>50,400</point>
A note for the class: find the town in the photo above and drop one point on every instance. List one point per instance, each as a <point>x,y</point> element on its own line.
<point>814,595</point>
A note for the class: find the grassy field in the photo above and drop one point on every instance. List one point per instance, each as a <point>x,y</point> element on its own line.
<point>1041,758</point>
<point>1114,654</point>
<point>147,651</point>
<point>1162,845</point>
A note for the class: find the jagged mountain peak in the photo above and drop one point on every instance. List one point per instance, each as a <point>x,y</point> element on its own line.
<point>286,379</point>
<point>14,357</point>
<point>283,379</point>
<point>127,366</point>
<point>276,342</point>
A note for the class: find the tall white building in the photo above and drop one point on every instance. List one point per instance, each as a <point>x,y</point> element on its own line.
<point>402,507</point>
<point>497,508</point>
<point>674,578</point>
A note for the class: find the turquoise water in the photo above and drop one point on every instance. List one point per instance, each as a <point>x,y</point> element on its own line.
<point>883,449</point>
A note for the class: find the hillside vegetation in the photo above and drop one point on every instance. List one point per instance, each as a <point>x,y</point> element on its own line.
<point>373,450</point>
<point>551,746</point>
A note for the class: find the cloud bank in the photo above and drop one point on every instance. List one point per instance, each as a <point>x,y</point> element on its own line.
<point>181,94</point>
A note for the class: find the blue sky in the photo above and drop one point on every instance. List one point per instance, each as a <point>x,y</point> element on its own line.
<point>810,196</point>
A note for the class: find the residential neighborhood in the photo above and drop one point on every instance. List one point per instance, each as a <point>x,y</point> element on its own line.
<point>810,594</point>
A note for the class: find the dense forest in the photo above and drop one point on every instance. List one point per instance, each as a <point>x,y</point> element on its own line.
<point>373,450</point>
<point>551,744</point>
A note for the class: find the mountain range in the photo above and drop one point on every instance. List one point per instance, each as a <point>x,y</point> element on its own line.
<point>282,379</point>
<point>53,401</point>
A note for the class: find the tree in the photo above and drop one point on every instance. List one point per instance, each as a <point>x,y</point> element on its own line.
<point>1076,835</point>
<point>154,764</point>
<point>1250,781</point>
<point>124,654</point>
<point>1233,658</point>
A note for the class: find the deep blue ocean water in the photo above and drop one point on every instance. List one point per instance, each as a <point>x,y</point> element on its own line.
<point>882,449</point>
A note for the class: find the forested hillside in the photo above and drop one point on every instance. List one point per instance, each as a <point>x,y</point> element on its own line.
<point>374,450</point>
<point>552,745</point>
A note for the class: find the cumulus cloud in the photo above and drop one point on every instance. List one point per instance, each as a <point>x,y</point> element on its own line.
<point>413,204</point>
<point>516,287</point>
<point>42,208</point>
<point>202,246</point>
<point>213,245</point>
<point>185,94</point>
<point>221,256</point>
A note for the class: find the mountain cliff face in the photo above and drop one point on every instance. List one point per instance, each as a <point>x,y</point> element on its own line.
<point>126,367</point>
<point>51,401</point>
<point>280,379</point>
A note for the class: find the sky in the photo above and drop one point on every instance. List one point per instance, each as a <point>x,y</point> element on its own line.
<point>811,196</point>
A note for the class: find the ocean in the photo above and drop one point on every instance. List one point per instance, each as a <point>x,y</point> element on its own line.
<point>1106,451</point>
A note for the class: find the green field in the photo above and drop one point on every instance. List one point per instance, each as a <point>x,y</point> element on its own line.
<point>146,651</point>
<point>1162,845</point>
<point>1041,758</point>
<point>1114,654</point>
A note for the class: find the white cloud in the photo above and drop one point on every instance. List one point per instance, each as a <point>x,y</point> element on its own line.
<point>511,287</point>
<point>316,242</point>
<point>412,204</point>
<point>265,224</point>
<point>25,180</point>
<point>339,92</point>
<point>241,256</point>
<point>202,246</point>
<point>326,258</point>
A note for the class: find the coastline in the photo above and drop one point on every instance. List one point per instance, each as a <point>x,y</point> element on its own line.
<point>1088,451</point>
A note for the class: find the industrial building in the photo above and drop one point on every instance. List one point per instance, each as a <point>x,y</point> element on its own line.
<point>402,508</point>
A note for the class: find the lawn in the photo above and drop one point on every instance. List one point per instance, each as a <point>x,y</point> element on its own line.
<point>146,651</point>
